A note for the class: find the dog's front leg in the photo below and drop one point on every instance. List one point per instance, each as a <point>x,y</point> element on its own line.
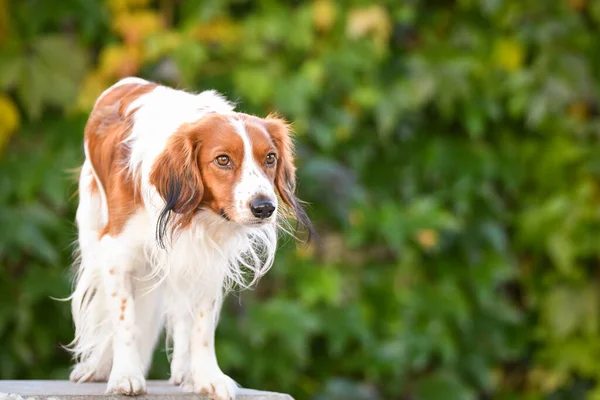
<point>205,375</point>
<point>126,376</point>
<point>181,329</point>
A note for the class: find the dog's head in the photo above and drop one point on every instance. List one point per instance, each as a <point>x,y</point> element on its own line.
<point>237,166</point>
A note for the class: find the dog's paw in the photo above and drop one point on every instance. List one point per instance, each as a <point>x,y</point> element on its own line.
<point>177,378</point>
<point>84,372</point>
<point>217,386</point>
<point>179,372</point>
<point>129,385</point>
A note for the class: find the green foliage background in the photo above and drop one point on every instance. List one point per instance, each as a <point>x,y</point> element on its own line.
<point>449,150</point>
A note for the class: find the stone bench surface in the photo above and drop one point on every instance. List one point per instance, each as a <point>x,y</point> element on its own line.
<point>65,390</point>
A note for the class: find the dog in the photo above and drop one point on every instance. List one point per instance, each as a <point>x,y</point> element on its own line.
<point>181,199</point>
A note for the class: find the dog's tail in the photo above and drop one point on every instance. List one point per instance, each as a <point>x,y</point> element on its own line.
<point>88,304</point>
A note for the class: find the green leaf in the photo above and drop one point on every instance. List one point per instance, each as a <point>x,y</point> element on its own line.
<point>443,386</point>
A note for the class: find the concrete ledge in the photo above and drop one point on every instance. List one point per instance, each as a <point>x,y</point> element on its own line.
<point>65,390</point>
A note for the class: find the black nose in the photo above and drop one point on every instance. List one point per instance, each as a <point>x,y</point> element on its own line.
<point>262,208</point>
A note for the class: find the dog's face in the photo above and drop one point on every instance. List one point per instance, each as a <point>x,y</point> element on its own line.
<point>232,165</point>
<point>238,162</point>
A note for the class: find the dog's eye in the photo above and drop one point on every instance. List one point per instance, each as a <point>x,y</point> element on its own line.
<point>223,160</point>
<point>271,159</point>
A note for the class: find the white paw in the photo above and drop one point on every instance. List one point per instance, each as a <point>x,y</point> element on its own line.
<point>179,370</point>
<point>84,372</point>
<point>129,385</point>
<point>177,377</point>
<point>217,386</point>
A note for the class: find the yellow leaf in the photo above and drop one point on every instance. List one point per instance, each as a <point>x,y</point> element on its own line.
<point>216,31</point>
<point>373,20</point>
<point>9,120</point>
<point>546,380</point>
<point>509,54</point>
<point>427,238</point>
<point>136,26</point>
<point>120,6</point>
<point>324,13</point>
<point>120,61</point>
<point>92,87</point>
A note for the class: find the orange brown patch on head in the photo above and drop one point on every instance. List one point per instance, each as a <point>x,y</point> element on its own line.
<point>114,294</point>
<point>111,271</point>
<point>108,126</point>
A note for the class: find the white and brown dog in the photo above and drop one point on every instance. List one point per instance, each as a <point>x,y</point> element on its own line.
<point>180,197</point>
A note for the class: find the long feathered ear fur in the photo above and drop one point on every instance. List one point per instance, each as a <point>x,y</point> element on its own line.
<point>177,178</point>
<point>285,177</point>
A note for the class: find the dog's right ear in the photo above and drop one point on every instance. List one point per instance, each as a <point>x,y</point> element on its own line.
<point>177,179</point>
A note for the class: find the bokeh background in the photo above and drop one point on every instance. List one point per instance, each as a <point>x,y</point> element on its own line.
<point>449,151</point>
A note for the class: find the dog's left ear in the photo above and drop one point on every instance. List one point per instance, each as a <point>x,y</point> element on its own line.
<point>285,176</point>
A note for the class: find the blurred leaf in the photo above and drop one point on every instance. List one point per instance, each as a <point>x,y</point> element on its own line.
<point>442,387</point>
<point>324,14</point>
<point>9,120</point>
<point>448,153</point>
<point>49,73</point>
<point>509,54</point>
<point>369,20</point>
<point>136,26</point>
